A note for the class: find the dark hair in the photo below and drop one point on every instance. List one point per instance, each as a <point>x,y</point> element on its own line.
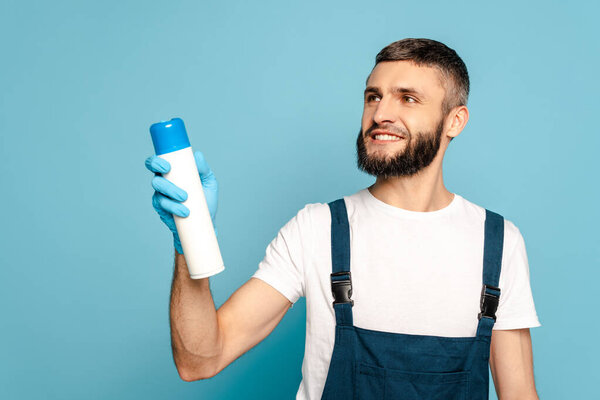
<point>431,53</point>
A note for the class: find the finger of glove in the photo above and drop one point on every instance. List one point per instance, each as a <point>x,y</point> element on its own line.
<point>165,216</point>
<point>168,188</point>
<point>164,204</point>
<point>209,183</point>
<point>211,197</point>
<point>206,174</point>
<point>157,165</point>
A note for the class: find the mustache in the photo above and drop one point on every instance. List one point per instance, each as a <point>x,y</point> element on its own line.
<point>387,127</point>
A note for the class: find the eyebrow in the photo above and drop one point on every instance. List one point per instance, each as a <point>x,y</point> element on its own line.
<point>395,90</point>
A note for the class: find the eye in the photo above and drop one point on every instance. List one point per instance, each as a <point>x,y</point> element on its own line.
<point>410,99</point>
<point>372,97</point>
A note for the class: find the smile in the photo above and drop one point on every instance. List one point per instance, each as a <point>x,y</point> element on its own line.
<point>380,136</point>
<point>386,138</point>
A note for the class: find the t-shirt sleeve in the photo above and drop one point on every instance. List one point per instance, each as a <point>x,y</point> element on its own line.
<point>284,262</point>
<point>516,309</point>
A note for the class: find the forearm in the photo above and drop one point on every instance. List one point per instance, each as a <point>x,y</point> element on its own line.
<point>528,396</point>
<point>195,335</point>
<point>511,363</point>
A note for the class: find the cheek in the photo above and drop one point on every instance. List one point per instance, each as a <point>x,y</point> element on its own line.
<point>414,123</point>
<point>422,120</point>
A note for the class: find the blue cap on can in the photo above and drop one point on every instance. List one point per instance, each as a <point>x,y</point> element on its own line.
<point>169,136</point>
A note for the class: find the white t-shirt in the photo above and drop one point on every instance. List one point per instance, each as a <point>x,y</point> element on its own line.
<point>412,272</point>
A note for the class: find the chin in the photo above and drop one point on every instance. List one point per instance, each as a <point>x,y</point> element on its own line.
<point>382,153</point>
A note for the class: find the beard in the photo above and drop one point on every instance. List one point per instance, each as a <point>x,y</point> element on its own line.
<point>419,152</point>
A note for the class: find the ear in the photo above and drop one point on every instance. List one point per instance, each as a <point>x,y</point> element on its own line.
<point>458,118</point>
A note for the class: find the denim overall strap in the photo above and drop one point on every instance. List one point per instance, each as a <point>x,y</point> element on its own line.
<point>341,281</point>
<point>492,262</point>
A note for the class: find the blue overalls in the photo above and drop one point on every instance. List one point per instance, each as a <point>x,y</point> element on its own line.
<point>368,364</point>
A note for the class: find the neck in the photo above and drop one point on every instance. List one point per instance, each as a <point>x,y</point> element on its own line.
<point>424,191</point>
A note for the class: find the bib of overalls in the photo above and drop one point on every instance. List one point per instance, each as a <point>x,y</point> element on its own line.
<point>368,364</point>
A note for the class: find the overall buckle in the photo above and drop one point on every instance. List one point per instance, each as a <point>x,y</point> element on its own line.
<point>341,288</point>
<point>490,296</point>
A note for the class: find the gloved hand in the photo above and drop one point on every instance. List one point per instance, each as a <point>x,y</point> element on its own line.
<point>167,197</point>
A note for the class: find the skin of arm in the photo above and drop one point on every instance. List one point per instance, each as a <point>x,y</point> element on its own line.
<point>511,363</point>
<point>205,340</point>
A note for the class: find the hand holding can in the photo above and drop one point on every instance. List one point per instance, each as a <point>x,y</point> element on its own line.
<point>180,197</point>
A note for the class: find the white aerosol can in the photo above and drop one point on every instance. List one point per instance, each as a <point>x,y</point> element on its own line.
<point>196,231</point>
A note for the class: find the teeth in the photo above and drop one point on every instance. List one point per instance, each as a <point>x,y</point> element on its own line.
<point>386,137</point>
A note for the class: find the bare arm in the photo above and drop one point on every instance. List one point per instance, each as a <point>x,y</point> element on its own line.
<point>206,340</point>
<point>511,362</point>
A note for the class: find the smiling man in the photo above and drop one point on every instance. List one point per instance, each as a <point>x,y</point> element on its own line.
<point>412,291</point>
<point>395,150</point>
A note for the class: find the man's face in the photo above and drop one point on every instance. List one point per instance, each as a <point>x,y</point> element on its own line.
<point>402,120</point>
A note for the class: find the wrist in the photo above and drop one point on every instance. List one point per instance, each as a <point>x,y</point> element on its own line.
<point>177,245</point>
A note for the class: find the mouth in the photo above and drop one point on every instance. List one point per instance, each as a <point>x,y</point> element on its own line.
<point>379,136</point>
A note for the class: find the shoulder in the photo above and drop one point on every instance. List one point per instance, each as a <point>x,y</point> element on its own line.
<point>477,214</point>
<point>319,213</point>
<point>313,212</point>
<point>316,217</point>
<point>307,218</point>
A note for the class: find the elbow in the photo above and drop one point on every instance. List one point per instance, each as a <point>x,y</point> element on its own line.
<point>192,366</point>
<point>186,375</point>
<point>197,374</point>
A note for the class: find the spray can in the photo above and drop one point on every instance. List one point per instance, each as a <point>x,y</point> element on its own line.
<point>196,231</point>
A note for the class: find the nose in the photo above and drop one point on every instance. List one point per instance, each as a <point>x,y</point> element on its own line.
<point>384,112</point>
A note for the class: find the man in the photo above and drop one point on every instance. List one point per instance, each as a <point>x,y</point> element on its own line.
<point>431,273</point>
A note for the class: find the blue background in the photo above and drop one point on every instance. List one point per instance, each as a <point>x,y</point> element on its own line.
<point>272,94</point>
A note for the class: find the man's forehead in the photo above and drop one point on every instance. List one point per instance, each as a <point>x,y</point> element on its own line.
<point>391,74</point>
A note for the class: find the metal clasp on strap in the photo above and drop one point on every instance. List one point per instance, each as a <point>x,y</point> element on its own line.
<point>341,287</point>
<point>490,296</point>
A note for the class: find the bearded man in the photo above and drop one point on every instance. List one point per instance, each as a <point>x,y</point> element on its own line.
<point>412,291</point>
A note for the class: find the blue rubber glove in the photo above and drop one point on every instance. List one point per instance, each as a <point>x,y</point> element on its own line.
<point>167,197</point>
